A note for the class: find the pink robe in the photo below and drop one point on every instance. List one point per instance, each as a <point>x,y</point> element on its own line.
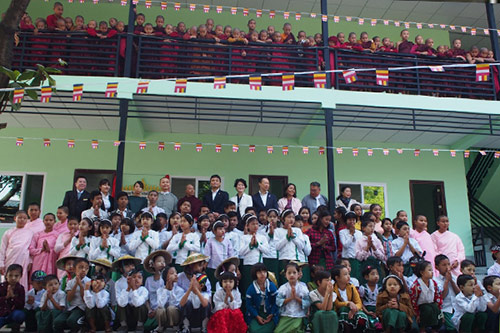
<point>42,260</point>
<point>450,245</point>
<point>61,227</point>
<point>35,226</point>
<point>14,250</point>
<point>61,250</point>
<point>426,244</point>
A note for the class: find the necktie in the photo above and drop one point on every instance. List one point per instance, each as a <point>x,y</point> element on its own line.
<point>79,194</point>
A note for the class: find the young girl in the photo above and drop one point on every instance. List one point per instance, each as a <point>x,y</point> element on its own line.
<point>293,300</point>
<point>348,303</point>
<point>103,246</point>
<point>405,247</point>
<point>155,264</point>
<point>348,238</point>
<point>358,210</point>
<point>42,247</point>
<point>98,313</point>
<point>420,234</point>
<point>402,215</point>
<point>387,237</point>
<point>229,265</point>
<point>80,244</point>
<point>147,240</point>
<point>426,298</point>
<point>449,244</point>
<point>168,298</point>
<point>63,242</point>
<point>324,318</point>
<point>218,248</point>
<point>13,246</point>
<point>184,243</point>
<point>394,306</point>
<point>368,293</point>
<point>376,210</point>
<point>136,202</point>
<point>125,236</point>
<point>204,231</point>
<point>168,231</point>
<point>62,216</point>
<point>306,217</point>
<point>227,302</point>
<point>289,241</point>
<point>322,243</point>
<point>369,249</point>
<point>271,256</point>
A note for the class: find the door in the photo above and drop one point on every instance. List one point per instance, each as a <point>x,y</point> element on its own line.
<point>94,176</point>
<point>276,184</point>
<point>427,198</point>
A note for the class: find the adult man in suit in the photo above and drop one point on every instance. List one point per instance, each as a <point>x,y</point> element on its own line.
<point>216,199</point>
<point>263,200</point>
<point>78,199</point>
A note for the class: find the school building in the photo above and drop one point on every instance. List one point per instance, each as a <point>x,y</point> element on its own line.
<point>416,144</point>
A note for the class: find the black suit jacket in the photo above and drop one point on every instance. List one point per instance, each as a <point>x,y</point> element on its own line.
<point>76,206</point>
<point>216,205</point>
<point>272,202</point>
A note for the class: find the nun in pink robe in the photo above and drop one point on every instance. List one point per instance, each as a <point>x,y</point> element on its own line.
<point>35,225</point>
<point>450,245</point>
<point>61,226</point>
<point>426,244</point>
<point>14,250</point>
<point>61,250</point>
<point>42,260</point>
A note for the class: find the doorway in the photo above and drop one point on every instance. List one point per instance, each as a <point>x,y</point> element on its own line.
<point>428,198</point>
<point>276,184</point>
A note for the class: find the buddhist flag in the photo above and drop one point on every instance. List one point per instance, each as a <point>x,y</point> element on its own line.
<point>77,92</point>
<point>255,82</point>
<point>386,22</point>
<point>442,26</point>
<point>259,12</point>
<point>18,96</point>
<point>46,142</point>
<point>482,72</point>
<point>340,150</point>
<point>236,148</point>
<point>464,29</point>
<point>142,145</point>
<point>416,152</point>
<point>286,15</point>
<point>324,18</point>
<point>161,146</point>
<point>96,2</point>
<point>284,150</point>
<point>192,7</point>
<point>234,10</point>
<point>400,151</point>
<point>71,143</point>
<point>407,25</point>
<point>382,77</point>
<point>370,152</point>
<point>116,143</point>
<point>180,85</point>
<point>430,25</point>
<point>142,87</point>
<point>452,27</point>
<point>288,81</point>
<point>305,150</point>
<point>385,151</point>
<point>177,146</point>
<point>177,6</point>
<point>361,21</point>
<point>206,9</point>
<point>298,16</point>
<point>336,19</point>
<point>199,147</point>
<point>473,31</point>
<point>272,13</point>
<point>497,154</point>
<point>220,82</point>
<point>134,2</point>
<point>245,11</point>
<point>466,153</point>
<point>123,2</point>
<point>436,68</point>
<point>313,15</point>
<point>319,80</point>
<point>270,149</point>
<point>419,25</point>
<point>435,152</point>
<point>453,153</point>
<point>148,4</point>
<point>397,23</point>
<point>355,152</point>
<point>19,142</point>
<point>111,89</point>
<point>95,144</point>
<point>251,148</point>
<point>218,9</point>
<point>373,22</point>
<point>349,76</point>
<point>482,152</point>
<point>321,150</point>
<point>348,18</point>
<point>218,148</point>
<point>486,32</point>
<point>163,5</point>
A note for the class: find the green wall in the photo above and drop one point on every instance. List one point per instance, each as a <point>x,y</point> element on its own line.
<point>489,197</point>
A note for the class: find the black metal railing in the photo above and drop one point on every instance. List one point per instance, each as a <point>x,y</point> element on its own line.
<point>159,57</point>
<point>478,172</point>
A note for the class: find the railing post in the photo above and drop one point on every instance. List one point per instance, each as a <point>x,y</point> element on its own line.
<point>326,49</point>
<point>492,25</point>
<point>330,171</point>
<point>417,74</point>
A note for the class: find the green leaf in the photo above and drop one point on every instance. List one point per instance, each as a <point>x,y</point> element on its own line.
<point>51,70</point>
<point>52,82</point>
<point>36,81</point>
<point>8,72</point>
<point>32,94</point>
<point>16,74</point>
<point>27,75</point>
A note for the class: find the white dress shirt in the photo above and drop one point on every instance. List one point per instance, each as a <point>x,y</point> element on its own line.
<point>59,297</point>
<point>36,295</point>
<point>77,300</point>
<point>463,304</point>
<point>82,251</point>
<point>136,298</point>
<point>93,299</point>
<point>407,254</point>
<point>180,252</point>
<point>263,197</point>
<point>349,242</point>
<point>253,255</point>
<point>166,298</point>
<point>450,296</point>
<point>288,249</point>
<point>143,247</point>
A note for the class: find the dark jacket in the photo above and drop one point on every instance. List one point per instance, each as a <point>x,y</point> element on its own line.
<point>216,205</point>
<point>7,305</point>
<point>77,206</point>
<point>272,202</point>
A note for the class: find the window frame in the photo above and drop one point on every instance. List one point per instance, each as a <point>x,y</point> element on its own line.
<point>384,185</point>
<point>197,179</point>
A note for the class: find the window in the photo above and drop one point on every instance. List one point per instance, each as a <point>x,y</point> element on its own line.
<point>17,190</point>
<point>201,185</point>
<point>368,193</point>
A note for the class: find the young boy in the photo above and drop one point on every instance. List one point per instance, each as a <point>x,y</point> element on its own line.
<point>51,305</point>
<point>74,297</point>
<point>470,306</point>
<point>97,300</point>
<point>495,268</point>
<point>33,298</point>
<point>122,203</point>
<point>95,212</point>
<point>492,285</point>
<point>468,267</point>
<point>447,284</point>
<point>52,19</point>
<point>405,247</point>
<point>12,298</point>
<point>132,309</point>
<point>218,249</point>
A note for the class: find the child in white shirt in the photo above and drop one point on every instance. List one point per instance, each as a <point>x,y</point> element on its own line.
<point>492,285</point>
<point>155,263</point>
<point>168,299</point>
<point>33,298</point>
<point>447,284</point>
<point>147,240</point>
<point>132,309</point>
<point>184,243</point>
<point>470,306</point>
<point>51,305</point>
<point>104,246</point>
<point>495,268</point>
<point>98,313</point>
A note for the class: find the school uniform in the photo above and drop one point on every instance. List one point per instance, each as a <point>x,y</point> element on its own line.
<point>494,269</point>
<point>292,313</point>
<point>111,252</point>
<point>470,312</point>
<point>322,320</point>
<point>30,310</point>
<point>261,303</point>
<point>80,251</point>
<point>234,237</point>
<point>125,248</point>
<point>45,318</point>
<point>251,255</point>
<point>218,252</point>
<point>182,250</point>
<point>75,309</point>
<point>90,214</point>
<point>271,256</point>
<point>227,315</point>
<point>132,306</point>
<point>208,235</point>
<point>447,307</point>
<point>97,306</point>
<point>369,299</point>
<point>168,311</point>
<point>348,242</point>
<point>155,210</point>
<point>397,244</point>
<point>143,246</point>
<point>493,322</point>
<point>426,301</point>
<point>192,313</point>
<point>153,286</point>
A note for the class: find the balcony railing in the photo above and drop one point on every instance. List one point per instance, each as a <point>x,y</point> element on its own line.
<point>157,57</point>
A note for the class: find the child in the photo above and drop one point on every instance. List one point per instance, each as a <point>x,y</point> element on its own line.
<point>95,212</point>
<point>103,246</point>
<point>227,315</point>
<point>97,300</point>
<point>51,305</point>
<point>146,241</point>
<point>122,203</point>
<point>33,298</point>
<point>42,246</point>
<point>449,244</point>
<point>132,310</point>
<point>153,208</point>
<point>123,266</point>
<point>63,242</point>
<point>195,303</point>
<point>103,267</point>
<point>80,244</point>
<point>322,242</point>
<point>405,247</point>
<point>492,285</point>
<point>369,249</point>
<point>218,248</point>
<point>232,233</point>
<point>426,298</point>
<point>304,253</point>
<point>155,263</point>
<point>348,303</point>
<point>168,299</point>
<point>74,298</point>
<point>395,267</point>
<point>495,268</point>
<point>184,243</point>
<point>468,267</point>
<point>67,266</point>
<point>348,238</point>
<point>52,19</point>
<point>293,300</point>
<point>12,297</point>
<point>447,286</point>
<point>345,262</point>
<point>368,293</point>
<point>170,229</point>
<point>420,234</point>
<point>324,317</point>
<point>470,306</point>
<point>230,265</point>
<point>402,215</point>
<point>358,210</point>
<point>126,234</point>
<point>62,216</point>
<point>394,306</point>
<point>387,237</point>
<point>203,231</point>
<point>139,26</point>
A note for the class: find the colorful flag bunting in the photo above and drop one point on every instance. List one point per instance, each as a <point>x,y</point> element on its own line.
<point>385,151</point>
<point>397,23</point>
<point>192,7</point>
<point>94,144</point>
<point>453,153</point>
<point>340,150</point>
<point>161,146</point>
<point>336,19</point>
<point>288,81</point>
<point>236,148</point>
<point>386,22</point>
<point>77,92</point>
<point>270,149</point>
<point>382,77</point>
<point>206,9</point>
<point>355,152</point>
<point>349,76</point>
<point>142,87</point>
<point>416,152</point>
<point>286,15</point>
<point>199,147</point>
<point>259,12</point>
<point>442,26</point>
<point>111,89</point>
<point>142,145</point>
<point>319,80</point>
<point>419,25</point>
<point>251,148</point>
<point>361,21</point>
<point>436,68</point>
<point>373,22</point>
<point>482,152</point>
<point>19,142</point>
<point>148,4</point>
<point>116,143</point>
<point>272,13</point>
<point>46,142</point>
<point>324,18</point>
<point>218,148</point>
<point>82,1</point>
<point>400,151</point>
<point>123,2</point>
<point>177,146</point>
<point>305,150</point>
<point>348,18</point>
<point>234,10</point>
<point>134,2</point>
<point>464,29</point>
<point>452,27</point>
<point>486,32</point>
<point>18,96</point>
<point>71,143</point>
<point>497,154</point>
<point>435,152</point>
<point>473,31</point>
<point>163,5</point>
<point>370,152</point>
<point>313,15</point>
<point>180,86</point>
<point>220,82</point>
<point>177,6</point>
<point>218,9</point>
<point>284,150</point>
<point>482,72</point>
<point>430,25</point>
<point>255,82</point>
<point>245,11</point>
<point>466,153</point>
<point>297,16</point>
<point>321,150</point>
<point>407,25</point>
<point>96,2</point>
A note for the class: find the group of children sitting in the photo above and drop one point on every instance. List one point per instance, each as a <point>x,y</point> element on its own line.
<point>263,272</point>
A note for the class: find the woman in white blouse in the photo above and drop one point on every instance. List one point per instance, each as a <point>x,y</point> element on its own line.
<point>108,202</point>
<point>241,199</point>
<point>289,200</point>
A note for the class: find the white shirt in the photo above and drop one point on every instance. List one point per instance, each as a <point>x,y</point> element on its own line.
<point>463,304</point>
<point>253,255</point>
<point>89,213</point>
<point>271,252</point>
<point>93,299</point>
<point>165,236</point>
<point>156,210</point>
<point>318,200</point>
<point>120,284</point>
<point>407,254</point>
<point>166,298</point>
<point>263,197</point>
<point>82,251</point>
<point>152,286</point>
<point>427,292</point>
<point>59,297</point>
<point>105,201</point>
<point>125,248</point>
<point>36,295</point>
<point>306,251</point>
<point>494,269</point>
<point>234,238</point>
<point>214,194</point>
<point>143,247</point>
<point>77,300</point>
<point>136,298</point>
<point>349,242</point>
<point>448,300</point>
<point>111,253</point>
<point>288,249</point>
<point>219,297</point>
<point>293,309</point>
<point>181,252</point>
